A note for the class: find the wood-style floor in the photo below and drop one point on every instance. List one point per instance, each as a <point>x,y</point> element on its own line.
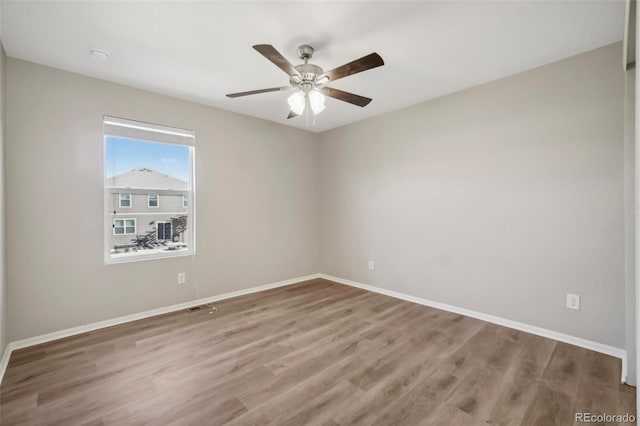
<point>312,353</point>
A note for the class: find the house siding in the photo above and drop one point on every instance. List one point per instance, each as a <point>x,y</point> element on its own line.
<point>170,207</point>
<point>169,202</point>
<point>144,224</point>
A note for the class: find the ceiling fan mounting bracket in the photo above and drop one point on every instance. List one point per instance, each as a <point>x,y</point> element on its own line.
<point>307,73</point>
<point>305,52</point>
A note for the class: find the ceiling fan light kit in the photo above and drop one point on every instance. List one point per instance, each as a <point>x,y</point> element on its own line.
<point>300,101</point>
<point>310,80</point>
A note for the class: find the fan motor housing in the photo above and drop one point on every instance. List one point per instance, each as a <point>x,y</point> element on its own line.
<point>308,74</point>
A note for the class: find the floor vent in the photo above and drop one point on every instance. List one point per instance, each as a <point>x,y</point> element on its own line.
<point>194,309</point>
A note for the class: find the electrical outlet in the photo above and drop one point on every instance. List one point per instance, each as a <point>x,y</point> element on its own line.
<point>372,266</point>
<point>573,301</point>
<point>182,278</point>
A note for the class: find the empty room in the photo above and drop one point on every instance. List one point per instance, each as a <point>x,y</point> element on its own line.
<point>318,212</point>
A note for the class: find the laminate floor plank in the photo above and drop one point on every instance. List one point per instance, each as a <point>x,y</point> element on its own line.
<point>533,358</point>
<point>312,353</point>
<point>514,397</point>
<point>367,376</point>
<point>549,408</point>
<point>320,409</point>
<point>626,400</point>
<point>478,391</point>
<point>447,415</point>
<point>274,407</point>
<point>594,399</point>
<point>565,368</point>
<point>376,404</point>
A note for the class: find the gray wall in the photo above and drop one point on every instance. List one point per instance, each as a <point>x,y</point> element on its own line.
<point>256,202</point>
<point>501,198</point>
<point>3,272</point>
<point>629,223</point>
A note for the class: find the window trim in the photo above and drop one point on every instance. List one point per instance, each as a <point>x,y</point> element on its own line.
<point>149,200</point>
<point>124,225</point>
<point>120,200</point>
<point>117,128</point>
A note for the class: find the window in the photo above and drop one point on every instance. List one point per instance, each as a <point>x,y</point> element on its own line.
<point>124,200</point>
<point>153,199</point>
<point>124,226</point>
<point>164,231</point>
<point>141,162</point>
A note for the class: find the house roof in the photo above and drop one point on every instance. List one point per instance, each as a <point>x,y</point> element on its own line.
<point>147,179</point>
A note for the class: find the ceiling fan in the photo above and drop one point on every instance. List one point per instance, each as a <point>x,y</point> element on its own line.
<point>310,80</point>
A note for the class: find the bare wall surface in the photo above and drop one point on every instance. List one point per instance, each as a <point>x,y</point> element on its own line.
<point>3,272</point>
<point>256,202</point>
<point>629,222</point>
<point>500,199</point>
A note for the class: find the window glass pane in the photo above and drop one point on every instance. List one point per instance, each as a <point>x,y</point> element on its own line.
<point>137,173</point>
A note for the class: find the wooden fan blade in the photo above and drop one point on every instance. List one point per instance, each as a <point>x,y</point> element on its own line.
<point>365,63</point>
<point>255,92</point>
<point>351,98</point>
<point>292,115</point>
<point>270,52</point>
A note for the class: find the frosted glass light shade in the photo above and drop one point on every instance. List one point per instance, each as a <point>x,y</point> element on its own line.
<point>316,99</point>
<point>296,102</point>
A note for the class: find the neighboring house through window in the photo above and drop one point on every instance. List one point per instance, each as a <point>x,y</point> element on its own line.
<point>143,163</point>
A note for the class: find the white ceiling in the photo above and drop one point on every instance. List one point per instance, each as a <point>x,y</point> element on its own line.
<point>202,50</point>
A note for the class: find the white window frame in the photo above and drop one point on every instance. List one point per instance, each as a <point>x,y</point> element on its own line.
<point>120,200</point>
<point>149,200</point>
<point>185,201</point>
<point>128,129</point>
<point>124,225</point>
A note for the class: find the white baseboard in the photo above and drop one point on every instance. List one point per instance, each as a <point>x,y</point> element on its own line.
<point>561,337</point>
<point>4,361</point>
<point>44,338</point>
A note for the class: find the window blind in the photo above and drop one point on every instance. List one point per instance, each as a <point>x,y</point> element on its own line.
<point>123,128</point>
